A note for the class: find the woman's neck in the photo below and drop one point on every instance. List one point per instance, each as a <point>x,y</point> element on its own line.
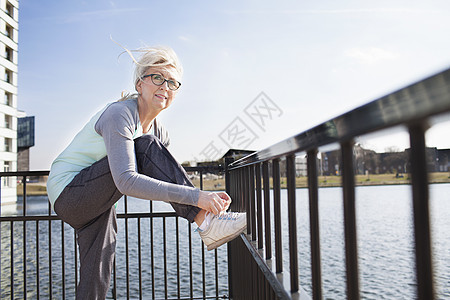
<point>146,116</point>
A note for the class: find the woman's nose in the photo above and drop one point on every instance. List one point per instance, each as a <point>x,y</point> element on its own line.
<point>164,86</point>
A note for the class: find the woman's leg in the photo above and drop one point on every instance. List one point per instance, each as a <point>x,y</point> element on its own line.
<point>154,160</point>
<point>97,244</point>
<point>91,193</point>
<point>87,204</point>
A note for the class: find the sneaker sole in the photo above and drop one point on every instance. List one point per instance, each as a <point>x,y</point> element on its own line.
<point>225,239</point>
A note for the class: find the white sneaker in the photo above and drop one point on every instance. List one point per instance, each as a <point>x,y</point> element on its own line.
<point>223,228</point>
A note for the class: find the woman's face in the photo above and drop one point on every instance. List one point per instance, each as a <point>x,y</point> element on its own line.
<point>157,97</point>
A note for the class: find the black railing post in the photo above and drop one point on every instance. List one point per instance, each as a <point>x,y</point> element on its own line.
<point>37,262</point>
<point>351,253</point>
<point>1,238</point>
<point>277,215</point>
<point>127,263</point>
<point>292,219</point>
<point>12,259</point>
<point>230,190</point>
<point>63,258</point>
<point>24,197</point>
<point>50,276</point>
<point>241,191</point>
<point>267,226</point>
<point>313,190</point>
<point>259,208</point>
<point>247,199</point>
<point>252,201</point>
<point>140,255</point>
<point>419,179</point>
<point>228,161</point>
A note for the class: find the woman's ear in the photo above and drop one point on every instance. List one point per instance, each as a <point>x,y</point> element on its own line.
<point>138,86</point>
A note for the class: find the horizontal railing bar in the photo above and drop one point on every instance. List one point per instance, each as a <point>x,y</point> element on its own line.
<point>121,216</point>
<point>29,218</point>
<point>193,298</point>
<point>147,215</point>
<point>45,173</point>
<point>417,101</point>
<point>25,173</point>
<point>204,168</point>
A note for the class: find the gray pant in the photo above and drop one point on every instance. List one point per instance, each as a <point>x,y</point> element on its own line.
<point>87,204</point>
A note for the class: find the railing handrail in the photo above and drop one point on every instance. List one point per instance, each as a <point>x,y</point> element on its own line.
<point>24,173</point>
<point>218,168</point>
<point>415,102</point>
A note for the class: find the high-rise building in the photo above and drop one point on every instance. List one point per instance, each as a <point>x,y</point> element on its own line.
<point>9,25</point>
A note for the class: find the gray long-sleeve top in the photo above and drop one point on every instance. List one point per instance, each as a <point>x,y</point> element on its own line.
<point>111,132</point>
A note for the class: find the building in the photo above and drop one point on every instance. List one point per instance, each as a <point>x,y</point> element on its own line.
<point>369,162</point>
<point>301,168</point>
<point>443,160</point>
<point>25,140</point>
<point>236,154</point>
<point>9,26</point>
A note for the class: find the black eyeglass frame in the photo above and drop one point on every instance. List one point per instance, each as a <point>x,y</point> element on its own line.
<point>165,80</point>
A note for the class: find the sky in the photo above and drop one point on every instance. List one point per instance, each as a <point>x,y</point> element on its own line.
<point>300,63</point>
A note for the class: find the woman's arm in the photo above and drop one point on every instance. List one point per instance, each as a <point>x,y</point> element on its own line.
<point>116,126</point>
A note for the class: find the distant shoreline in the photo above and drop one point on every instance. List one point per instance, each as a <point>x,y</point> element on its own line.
<point>301,182</point>
<point>335,181</point>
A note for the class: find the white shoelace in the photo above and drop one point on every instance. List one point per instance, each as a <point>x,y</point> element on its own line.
<point>222,216</point>
<point>227,216</point>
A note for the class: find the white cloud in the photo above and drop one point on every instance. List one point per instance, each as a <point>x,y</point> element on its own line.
<point>371,55</point>
<point>184,38</point>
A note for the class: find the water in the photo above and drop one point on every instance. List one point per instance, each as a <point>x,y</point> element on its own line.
<point>385,248</point>
<point>385,241</point>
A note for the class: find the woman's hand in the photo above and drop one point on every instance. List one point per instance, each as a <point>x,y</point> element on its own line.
<point>214,202</point>
<point>226,200</point>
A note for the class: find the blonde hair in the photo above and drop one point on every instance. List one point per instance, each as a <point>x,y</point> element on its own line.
<point>159,56</point>
<point>155,56</point>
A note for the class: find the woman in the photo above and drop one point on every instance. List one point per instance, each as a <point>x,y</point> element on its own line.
<point>122,151</point>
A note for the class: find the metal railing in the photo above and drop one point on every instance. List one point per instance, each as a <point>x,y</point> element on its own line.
<point>157,255</point>
<point>33,268</point>
<point>248,183</point>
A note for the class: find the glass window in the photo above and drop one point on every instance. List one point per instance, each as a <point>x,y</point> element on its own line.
<point>6,168</point>
<point>9,9</point>
<point>8,145</point>
<point>8,121</point>
<point>25,132</point>
<point>8,76</point>
<point>9,31</point>
<point>8,53</point>
<point>8,98</point>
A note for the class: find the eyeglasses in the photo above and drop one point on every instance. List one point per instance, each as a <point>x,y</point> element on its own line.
<point>158,79</point>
